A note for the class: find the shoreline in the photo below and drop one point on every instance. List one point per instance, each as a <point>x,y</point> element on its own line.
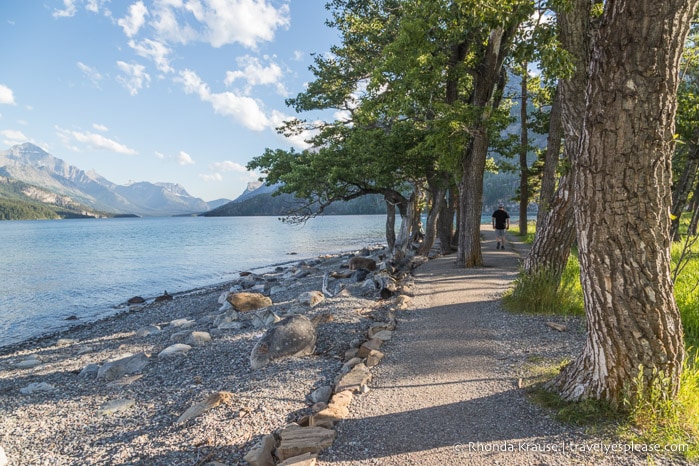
<point>119,309</point>
<point>56,409</point>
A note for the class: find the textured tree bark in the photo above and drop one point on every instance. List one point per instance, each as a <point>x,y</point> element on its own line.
<point>551,159</point>
<point>549,253</point>
<point>622,178</point>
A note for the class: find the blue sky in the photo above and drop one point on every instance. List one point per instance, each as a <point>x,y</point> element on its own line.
<point>184,91</point>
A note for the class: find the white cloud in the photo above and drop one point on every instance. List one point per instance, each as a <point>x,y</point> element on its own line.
<point>12,137</point>
<point>99,127</point>
<point>228,166</point>
<point>153,50</point>
<point>254,73</point>
<point>299,55</point>
<point>69,9</point>
<point>221,22</point>
<point>95,141</point>
<point>6,95</point>
<point>244,110</point>
<point>135,77</point>
<point>184,158</point>
<point>136,18</point>
<point>92,74</point>
<point>211,177</point>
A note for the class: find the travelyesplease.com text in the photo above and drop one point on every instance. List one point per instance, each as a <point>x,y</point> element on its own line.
<point>606,448</point>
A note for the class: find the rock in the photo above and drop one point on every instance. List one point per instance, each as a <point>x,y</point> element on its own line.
<point>297,440</point>
<point>376,327</point>
<point>337,409</point>
<point>307,459</point>
<point>229,316</point>
<point>115,406</point>
<point>115,369</point>
<point>373,358</point>
<point>322,394</point>
<point>358,262</point>
<point>264,318</point>
<point>292,336</point>
<point>403,302</point>
<point>383,335</point>
<point>91,370</point>
<point>174,350</point>
<point>368,346</point>
<point>559,327</point>
<point>210,402</point>
<point>3,457</point>
<point>346,367</point>
<point>198,338</point>
<point>351,353</point>
<point>179,337</point>
<point>230,326</point>
<point>164,297</point>
<point>28,363</point>
<point>148,330</point>
<point>246,301</point>
<point>311,298</point>
<point>136,300</point>
<point>354,379</point>
<point>261,453</point>
<point>182,323</point>
<point>37,387</point>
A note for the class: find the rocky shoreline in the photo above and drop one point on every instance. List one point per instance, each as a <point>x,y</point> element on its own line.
<point>170,381</point>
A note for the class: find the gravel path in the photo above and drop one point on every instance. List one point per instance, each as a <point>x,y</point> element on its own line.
<point>447,390</point>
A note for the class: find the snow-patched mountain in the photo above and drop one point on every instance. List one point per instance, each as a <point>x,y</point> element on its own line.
<point>34,166</point>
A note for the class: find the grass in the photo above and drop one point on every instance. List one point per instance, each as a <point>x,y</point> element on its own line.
<point>647,416</point>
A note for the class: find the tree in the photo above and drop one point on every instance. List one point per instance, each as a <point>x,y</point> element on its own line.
<point>555,235</point>
<point>622,177</point>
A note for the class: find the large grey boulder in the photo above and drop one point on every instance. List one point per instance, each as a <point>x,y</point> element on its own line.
<point>292,336</point>
<point>128,365</point>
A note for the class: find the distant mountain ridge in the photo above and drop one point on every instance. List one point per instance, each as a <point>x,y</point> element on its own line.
<point>31,165</point>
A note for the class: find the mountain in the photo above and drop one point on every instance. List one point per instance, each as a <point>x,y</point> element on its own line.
<point>217,203</point>
<point>257,199</point>
<point>35,167</point>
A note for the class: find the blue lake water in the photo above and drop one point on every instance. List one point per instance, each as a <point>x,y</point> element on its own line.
<point>54,269</point>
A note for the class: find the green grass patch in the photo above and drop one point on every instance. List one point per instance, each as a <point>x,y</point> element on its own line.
<point>538,294</point>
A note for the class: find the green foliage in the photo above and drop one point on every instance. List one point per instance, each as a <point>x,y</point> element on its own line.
<point>21,210</point>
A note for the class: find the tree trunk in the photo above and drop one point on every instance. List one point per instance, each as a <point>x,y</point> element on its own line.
<point>473,161</point>
<point>683,189</point>
<point>551,158</point>
<point>437,195</point>
<point>400,249</point>
<point>445,222</point>
<point>549,253</point>
<point>524,149</point>
<point>622,177</point>
<point>390,224</point>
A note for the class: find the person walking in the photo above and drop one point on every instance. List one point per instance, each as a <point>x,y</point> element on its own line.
<point>501,222</point>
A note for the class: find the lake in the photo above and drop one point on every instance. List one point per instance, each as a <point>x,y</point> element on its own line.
<point>54,269</point>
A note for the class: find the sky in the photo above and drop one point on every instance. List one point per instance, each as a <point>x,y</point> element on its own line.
<point>181,91</point>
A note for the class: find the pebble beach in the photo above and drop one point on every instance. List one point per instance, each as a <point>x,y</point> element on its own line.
<point>190,395</point>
